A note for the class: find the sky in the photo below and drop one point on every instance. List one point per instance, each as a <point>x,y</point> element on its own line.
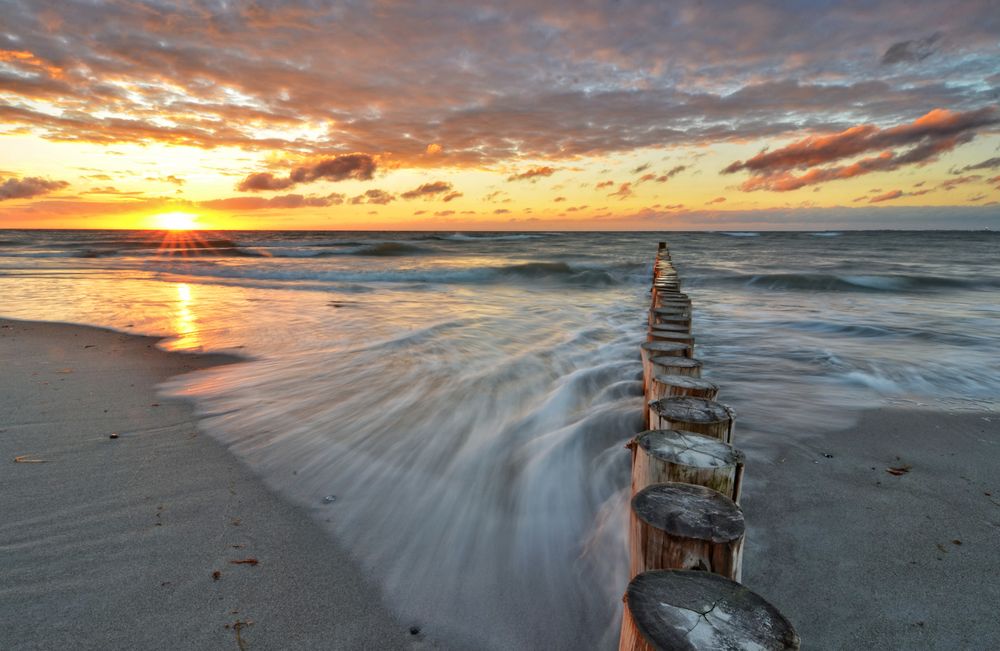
<point>563,115</point>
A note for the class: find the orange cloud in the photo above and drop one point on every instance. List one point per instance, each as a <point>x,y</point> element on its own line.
<point>925,138</point>
<point>888,196</point>
<point>533,173</point>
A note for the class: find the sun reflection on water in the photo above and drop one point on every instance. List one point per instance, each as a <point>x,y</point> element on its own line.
<point>185,321</point>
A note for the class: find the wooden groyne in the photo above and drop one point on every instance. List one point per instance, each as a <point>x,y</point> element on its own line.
<point>686,528</point>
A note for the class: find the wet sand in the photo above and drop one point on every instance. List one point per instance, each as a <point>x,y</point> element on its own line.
<point>113,543</point>
<point>857,557</point>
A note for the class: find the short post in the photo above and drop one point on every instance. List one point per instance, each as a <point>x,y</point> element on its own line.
<point>679,526</point>
<point>698,611</point>
<point>661,456</point>
<point>651,349</point>
<point>676,366</point>
<point>678,386</point>
<point>693,415</point>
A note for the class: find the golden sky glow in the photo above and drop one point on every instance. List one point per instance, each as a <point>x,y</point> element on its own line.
<point>347,118</point>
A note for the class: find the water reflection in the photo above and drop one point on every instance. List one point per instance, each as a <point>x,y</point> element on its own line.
<point>185,322</point>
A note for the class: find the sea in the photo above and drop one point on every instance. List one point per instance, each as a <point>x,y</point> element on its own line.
<point>452,407</point>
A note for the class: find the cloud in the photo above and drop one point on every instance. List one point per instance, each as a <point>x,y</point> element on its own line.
<point>533,173</point>
<point>558,199</point>
<point>888,196</point>
<point>444,213</point>
<point>373,196</point>
<point>285,201</point>
<point>28,187</point>
<point>427,190</point>
<point>604,184</point>
<point>166,179</point>
<point>921,141</point>
<point>536,81</point>
<point>951,184</point>
<point>451,195</point>
<point>624,191</point>
<point>360,167</point>
<point>716,200</point>
<point>988,164</point>
<point>911,51</point>
<point>500,211</point>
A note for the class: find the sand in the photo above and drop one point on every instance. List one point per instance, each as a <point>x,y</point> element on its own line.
<point>858,558</point>
<point>112,543</point>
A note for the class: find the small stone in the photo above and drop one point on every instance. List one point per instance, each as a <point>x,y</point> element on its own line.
<point>329,499</point>
<point>216,575</point>
<point>827,455</point>
<point>414,630</point>
<point>113,435</point>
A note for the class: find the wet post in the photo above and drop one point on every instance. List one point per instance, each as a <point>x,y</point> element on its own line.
<point>677,526</point>
<point>663,456</point>
<point>693,415</point>
<point>667,610</point>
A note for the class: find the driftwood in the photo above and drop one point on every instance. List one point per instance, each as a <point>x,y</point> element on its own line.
<point>693,415</point>
<point>662,456</point>
<point>679,610</point>
<point>679,526</point>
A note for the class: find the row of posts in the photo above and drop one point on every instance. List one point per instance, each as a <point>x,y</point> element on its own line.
<point>686,528</point>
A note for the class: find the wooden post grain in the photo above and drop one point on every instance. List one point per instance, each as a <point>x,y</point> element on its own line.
<point>677,526</point>
<point>662,456</point>
<point>693,415</point>
<point>697,611</point>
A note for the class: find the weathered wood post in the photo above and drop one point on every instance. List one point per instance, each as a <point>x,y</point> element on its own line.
<point>693,415</point>
<point>697,611</point>
<point>652,349</point>
<point>676,365</point>
<point>678,386</point>
<point>661,456</point>
<point>679,526</point>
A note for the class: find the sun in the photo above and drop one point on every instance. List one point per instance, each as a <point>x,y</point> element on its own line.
<point>176,221</point>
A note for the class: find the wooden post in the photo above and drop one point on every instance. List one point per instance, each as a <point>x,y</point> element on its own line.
<point>667,335</point>
<point>697,611</point>
<point>693,415</point>
<point>668,327</point>
<point>673,366</point>
<point>679,526</point>
<point>651,349</point>
<point>678,386</point>
<point>663,455</point>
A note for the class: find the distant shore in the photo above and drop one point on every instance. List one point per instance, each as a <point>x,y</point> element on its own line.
<point>148,540</point>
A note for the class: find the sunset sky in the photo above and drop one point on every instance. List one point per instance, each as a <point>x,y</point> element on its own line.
<point>522,115</point>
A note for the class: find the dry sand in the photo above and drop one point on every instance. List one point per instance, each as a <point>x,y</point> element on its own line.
<point>858,558</point>
<point>112,543</point>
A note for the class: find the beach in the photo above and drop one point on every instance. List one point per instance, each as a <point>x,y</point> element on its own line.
<point>858,557</point>
<point>465,400</point>
<point>113,543</point>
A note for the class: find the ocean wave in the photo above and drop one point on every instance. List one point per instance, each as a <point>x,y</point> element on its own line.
<point>469,237</point>
<point>853,283</point>
<point>559,273</point>
<point>826,234</point>
<point>740,234</point>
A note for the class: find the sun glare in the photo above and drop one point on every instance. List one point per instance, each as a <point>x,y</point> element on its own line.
<point>176,221</point>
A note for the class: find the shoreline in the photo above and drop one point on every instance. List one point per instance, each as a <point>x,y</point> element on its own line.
<point>114,543</point>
